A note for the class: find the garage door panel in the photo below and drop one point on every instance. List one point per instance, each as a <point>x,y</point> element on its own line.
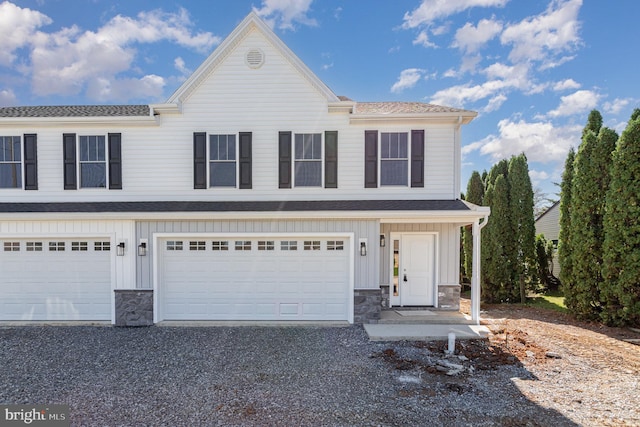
<point>64,284</point>
<point>268,284</point>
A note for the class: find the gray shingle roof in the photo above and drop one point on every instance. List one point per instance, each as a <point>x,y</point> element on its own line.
<point>76,111</point>
<point>266,206</point>
<point>402,108</point>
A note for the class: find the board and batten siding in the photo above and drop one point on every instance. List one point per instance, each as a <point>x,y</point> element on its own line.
<point>157,160</point>
<point>448,249</point>
<point>365,268</point>
<point>122,267</point>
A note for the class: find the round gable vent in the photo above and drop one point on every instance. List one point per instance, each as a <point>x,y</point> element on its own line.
<point>254,58</point>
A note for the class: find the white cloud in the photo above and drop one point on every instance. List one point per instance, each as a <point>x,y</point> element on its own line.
<point>408,79</point>
<point>540,141</point>
<point>423,39</point>
<point>537,176</point>
<point>577,102</point>
<point>545,36</point>
<point>179,65</point>
<point>285,13</point>
<point>431,10</point>
<point>70,60</point>
<point>7,98</point>
<point>615,106</point>
<point>567,84</point>
<point>108,90</point>
<point>471,39</point>
<point>494,103</point>
<point>17,28</point>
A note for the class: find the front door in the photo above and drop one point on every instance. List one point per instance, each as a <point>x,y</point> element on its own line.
<point>414,272</point>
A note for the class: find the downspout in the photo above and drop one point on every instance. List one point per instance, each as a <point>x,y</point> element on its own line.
<point>475,278</point>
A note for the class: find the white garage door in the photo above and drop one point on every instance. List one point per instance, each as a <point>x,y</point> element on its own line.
<point>254,278</point>
<point>55,279</point>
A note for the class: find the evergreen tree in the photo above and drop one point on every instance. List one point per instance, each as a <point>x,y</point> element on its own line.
<point>590,184</point>
<point>496,246</point>
<point>565,251</point>
<point>621,270</point>
<point>522,224</point>
<point>475,195</point>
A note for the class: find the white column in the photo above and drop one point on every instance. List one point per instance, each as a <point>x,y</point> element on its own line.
<point>475,275</point>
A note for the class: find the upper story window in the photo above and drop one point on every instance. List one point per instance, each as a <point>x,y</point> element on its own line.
<point>222,160</point>
<point>10,162</point>
<point>225,161</point>
<point>308,160</point>
<point>394,158</point>
<point>93,161</point>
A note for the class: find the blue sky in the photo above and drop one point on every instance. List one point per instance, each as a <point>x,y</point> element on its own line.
<point>532,69</point>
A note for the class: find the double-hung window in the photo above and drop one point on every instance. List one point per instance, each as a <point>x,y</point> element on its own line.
<point>308,160</point>
<point>222,161</point>
<point>93,161</point>
<point>394,158</point>
<point>10,162</point>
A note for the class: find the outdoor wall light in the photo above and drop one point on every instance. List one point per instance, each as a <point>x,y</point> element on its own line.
<point>142,248</point>
<point>383,241</point>
<point>363,248</point>
<point>120,249</point>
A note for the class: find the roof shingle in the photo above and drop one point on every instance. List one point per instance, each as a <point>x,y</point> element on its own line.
<point>76,111</point>
<point>403,108</point>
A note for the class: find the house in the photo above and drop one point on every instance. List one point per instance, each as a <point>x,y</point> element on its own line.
<point>548,224</point>
<point>252,193</point>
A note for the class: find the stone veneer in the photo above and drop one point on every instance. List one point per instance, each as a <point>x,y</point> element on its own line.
<point>366,305</point>
<point>134,307</point>
<point>449,297</point>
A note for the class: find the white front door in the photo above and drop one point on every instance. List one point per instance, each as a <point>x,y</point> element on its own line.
<point>416,270</point>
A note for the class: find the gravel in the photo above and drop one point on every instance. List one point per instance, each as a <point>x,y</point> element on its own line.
<point>179,376</point>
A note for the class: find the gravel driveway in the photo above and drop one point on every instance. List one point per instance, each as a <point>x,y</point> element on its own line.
<point>189,376</point>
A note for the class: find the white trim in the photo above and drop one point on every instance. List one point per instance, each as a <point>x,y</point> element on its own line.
<point>158,316</point>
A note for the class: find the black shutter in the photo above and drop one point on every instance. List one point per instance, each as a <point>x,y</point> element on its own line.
<point>331,159</point>
<point>115,161</point>
<point>31,161</point>
<point>69,156</point>
<point>284,160</point>
<point>417,158</point>
<point>199,160</point>
<point>244,160</point>
<point>370,159</point>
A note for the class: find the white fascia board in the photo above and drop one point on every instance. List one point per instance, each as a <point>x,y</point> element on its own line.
<point>116,121</point>
<point>166,108</point>
<point>382,216</point>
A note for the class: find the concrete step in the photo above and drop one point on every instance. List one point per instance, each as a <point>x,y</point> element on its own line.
<point>405,317</point>
<point>378,332</point>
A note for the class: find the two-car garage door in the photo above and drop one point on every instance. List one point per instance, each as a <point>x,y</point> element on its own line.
<point>254,278</point>
<point>55,279</point>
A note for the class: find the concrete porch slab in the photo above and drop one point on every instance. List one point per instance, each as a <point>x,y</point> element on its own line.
<point>411,332</point>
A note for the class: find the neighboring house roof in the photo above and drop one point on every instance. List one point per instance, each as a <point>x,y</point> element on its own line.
<point>402,108</point>
<point>76,111</point>
<point>265,206</point>
<point>553,206</point>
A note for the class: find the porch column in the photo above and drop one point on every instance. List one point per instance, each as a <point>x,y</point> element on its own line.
<point>475,275</point>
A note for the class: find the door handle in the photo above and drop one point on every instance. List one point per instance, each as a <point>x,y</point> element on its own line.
<point>405,278</point>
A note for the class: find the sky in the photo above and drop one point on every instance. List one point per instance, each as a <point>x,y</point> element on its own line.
<point>532,69</point>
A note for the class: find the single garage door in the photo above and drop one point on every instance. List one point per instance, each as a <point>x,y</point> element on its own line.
<point>55,279</point>
<point>257,278</point>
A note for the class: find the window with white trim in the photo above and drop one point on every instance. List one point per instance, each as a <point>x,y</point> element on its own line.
<point>79,246</point>
<point>11,246</point>
<point>394,158</point>
<point>34,247</point>
<point>92,161</point>
<point>56,246</point>
<point>199,245</point>
<point>101,246</point>
<point>312,245</point>
<point>219,245</point>
<point>243,245</point>
<point>266,245</point>
<point>335,245</point>
<point>308,160</point>
<point>10,162</point>
<point>222,160</point>
<point>289,245</point>
<point>174,245</point>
